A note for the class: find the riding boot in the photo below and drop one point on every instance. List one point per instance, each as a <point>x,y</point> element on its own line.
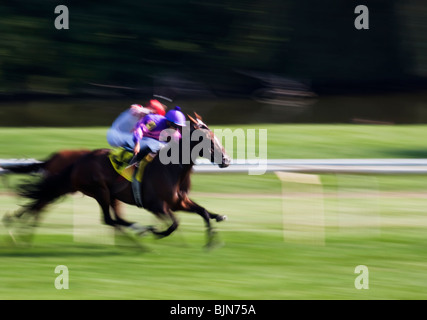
<point>142,164</point>
<point>137,178</point>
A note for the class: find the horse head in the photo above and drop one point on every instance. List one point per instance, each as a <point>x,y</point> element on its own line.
<point>206,138</point>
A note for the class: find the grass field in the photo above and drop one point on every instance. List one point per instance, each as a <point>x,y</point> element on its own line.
<point>284,141</point>
<point>379,222</point>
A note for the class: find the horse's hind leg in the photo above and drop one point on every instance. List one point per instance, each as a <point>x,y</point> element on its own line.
<point>25,231</point>
<point>10,218</point>
<point>29,211</point>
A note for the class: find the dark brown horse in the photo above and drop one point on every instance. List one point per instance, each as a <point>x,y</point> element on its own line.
<point>164,189</point>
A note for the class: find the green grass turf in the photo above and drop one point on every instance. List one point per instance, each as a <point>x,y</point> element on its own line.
<point>284,141</point>
<point>256,260</point>
<point>261,258</point>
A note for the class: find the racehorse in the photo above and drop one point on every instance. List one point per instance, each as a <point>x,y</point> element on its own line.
<point>164,188</point>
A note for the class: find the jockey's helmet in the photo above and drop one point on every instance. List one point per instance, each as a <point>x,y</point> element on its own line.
<point>157,107</point>
<point>176,116</point>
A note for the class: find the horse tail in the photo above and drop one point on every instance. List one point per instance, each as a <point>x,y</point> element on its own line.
<point>53,165</point>
<point>25,168</point>
<point>47,189</point>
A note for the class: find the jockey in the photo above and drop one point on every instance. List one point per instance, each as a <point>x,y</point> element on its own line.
<point>148,131</point>
<point>120,133</point>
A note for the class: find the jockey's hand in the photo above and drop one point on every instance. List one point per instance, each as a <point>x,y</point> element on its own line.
<point>136,149</point>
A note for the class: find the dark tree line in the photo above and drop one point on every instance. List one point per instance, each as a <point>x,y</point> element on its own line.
<point>131,43</point>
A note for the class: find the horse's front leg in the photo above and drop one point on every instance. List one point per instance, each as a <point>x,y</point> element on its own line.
<point>194,207</point>
<point>165,214</point>
<point>191,206</point>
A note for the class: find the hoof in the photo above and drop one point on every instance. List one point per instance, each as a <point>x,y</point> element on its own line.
<point>213,243</point>
<point>221,218</point>
<point>140,230</point>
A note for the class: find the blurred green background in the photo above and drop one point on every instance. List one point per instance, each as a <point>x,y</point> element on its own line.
<point>235,61</point>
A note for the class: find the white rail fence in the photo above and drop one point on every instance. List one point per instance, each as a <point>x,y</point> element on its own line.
<point>317,166</point>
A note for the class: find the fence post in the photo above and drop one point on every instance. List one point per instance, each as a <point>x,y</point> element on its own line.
<point>303,210</point>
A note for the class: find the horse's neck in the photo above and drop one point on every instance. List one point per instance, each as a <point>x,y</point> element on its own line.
<point>182,170</point>
<point>177,171</point>
<point>185,182</point>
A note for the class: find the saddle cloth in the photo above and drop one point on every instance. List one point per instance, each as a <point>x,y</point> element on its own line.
<point>120,159</point>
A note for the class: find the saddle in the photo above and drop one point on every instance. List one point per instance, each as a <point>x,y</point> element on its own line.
<point>120,159</point>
